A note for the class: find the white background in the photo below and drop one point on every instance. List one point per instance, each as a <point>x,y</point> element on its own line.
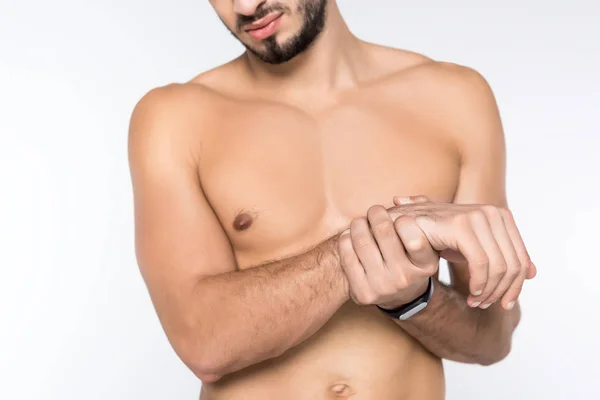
<point>75,319</point>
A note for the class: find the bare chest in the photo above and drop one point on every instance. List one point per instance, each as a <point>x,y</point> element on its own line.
<point>280,181</point>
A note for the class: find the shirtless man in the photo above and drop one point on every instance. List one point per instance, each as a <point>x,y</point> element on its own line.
<point>274,227</point>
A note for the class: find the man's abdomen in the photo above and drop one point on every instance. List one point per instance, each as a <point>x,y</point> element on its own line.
<point>359,354</point>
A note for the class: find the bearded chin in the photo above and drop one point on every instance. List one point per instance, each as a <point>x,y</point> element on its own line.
<point>314,13</point>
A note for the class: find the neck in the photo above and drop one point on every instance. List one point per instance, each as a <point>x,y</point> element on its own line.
<point>330,63</point>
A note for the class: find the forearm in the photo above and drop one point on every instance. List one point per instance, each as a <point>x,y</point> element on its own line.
<point>252,315</point>
<point>450,329</point>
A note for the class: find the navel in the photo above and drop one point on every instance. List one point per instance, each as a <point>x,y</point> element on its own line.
<point>342,390</point>
<point>242,222</point>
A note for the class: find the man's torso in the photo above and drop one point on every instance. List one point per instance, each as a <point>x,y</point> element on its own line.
<point>282,177</point>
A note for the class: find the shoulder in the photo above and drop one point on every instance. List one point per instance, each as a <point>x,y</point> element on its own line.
<point>453,85</point>
<point>443,84</point>
<point>172,118</point>
<point>180,105</point>
<point>171,103</point>
<point>455,101</point>
<point>458,98</point>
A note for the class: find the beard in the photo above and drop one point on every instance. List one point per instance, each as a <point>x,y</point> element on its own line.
<point>314,15</point>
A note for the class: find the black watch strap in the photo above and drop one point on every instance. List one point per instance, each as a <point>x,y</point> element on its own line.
<point>408,310</point>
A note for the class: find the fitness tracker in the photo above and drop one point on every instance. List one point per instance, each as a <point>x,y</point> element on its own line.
<point>408,310</point>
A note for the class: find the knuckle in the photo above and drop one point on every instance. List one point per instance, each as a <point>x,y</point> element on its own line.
<point>361,242</point>
<point>358,223</point>
<point>345,241</point>
<point>490,209</point>
<point>463,220</point>
<point>524,260</point>
<point>346,259</point>
<point>506,213</point>
<point>477,214</point>
<point>414,245</point>
<point>375,210</point>
<point>365,297</point>
<point>514,268</point>
<point>480,263</point>
<point>400,221</point>
<point>401,282</point>
<point>361,298</point>
<point>499,269</point>
<point>513,272</point>
<point>384,229</point>
<point>432,267</point>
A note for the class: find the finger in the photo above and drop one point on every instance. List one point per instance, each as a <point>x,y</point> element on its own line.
<point>467,244</point>
<point>512,294</point>
<point>402,200</point>
<point>388,242</point>
<point>417,246</point>
<point>513,263</point>
<point>497,264</point>
<point>355,273</point>
<point>368,252</point>
<point>515,235</point>
<point>528,269</point>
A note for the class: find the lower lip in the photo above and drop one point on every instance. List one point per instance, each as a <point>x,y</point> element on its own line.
<point>265,31</point>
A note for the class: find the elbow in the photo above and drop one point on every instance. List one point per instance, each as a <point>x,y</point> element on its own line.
<point>495,357</point>
<point>495,352</point>
<point>498,347</point>
<point>204,364</point>
<point>205,370</point>
<point>208,378</point>
<point>201,357</point>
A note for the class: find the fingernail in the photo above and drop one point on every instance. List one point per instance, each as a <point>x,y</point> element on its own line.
<point>510,305</point>
<point>476,304</point>
<point>477,292</point>
<point>484,306</point>
<point>404,200</point>
<point>347,231</point>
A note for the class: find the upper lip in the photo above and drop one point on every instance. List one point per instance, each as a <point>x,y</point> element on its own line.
<point>264,21</point>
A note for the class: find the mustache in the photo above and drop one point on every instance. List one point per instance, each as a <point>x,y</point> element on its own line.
<point>261,12</point>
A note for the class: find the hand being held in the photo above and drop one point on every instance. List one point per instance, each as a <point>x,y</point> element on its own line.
<point>387,263</point>
<point>483,236</point>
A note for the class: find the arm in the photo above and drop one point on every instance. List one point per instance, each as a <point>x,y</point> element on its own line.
<point>218,319</point>
<point>448,327</point>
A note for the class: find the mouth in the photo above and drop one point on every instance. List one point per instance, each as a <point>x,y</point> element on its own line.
<point>265,26</point>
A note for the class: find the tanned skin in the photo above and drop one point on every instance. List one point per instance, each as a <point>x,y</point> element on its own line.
<point>263,191</point>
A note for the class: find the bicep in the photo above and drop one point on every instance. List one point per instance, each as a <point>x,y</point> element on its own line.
<point>178,238</point>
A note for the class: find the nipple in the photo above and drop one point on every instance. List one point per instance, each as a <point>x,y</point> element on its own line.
<point>342,390</point>
<point>242,222</point>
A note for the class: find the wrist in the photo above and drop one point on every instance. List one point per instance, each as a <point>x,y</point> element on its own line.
<point>408,296</point>
<point>339,280</point>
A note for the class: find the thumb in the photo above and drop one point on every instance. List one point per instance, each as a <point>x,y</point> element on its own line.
<point>403,200</point>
